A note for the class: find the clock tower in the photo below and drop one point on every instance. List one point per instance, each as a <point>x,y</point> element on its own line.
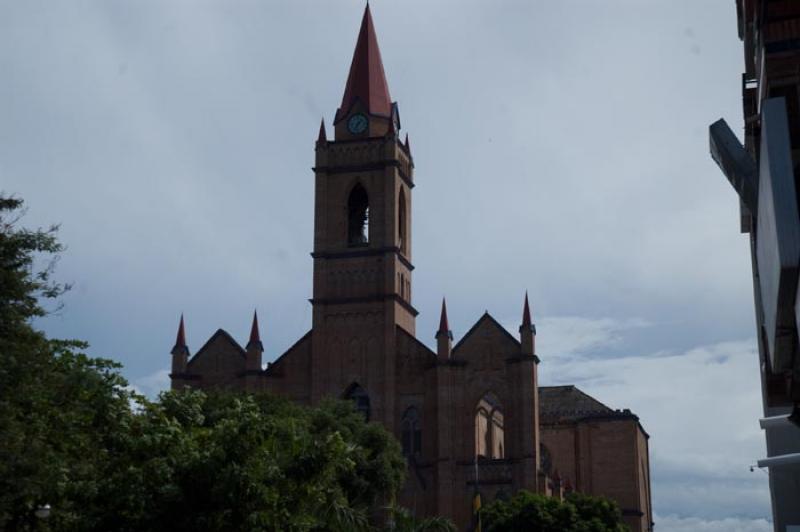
<point>362,241</point>
<point>468,406</point>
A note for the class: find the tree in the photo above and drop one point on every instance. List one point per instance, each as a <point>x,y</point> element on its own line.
<point>539,513</point>
<point>403,521</point>
<point>225,461</point>
<point>72,435</point>
<point>57,406</point>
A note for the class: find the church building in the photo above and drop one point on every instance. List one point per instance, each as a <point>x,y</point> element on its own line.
<point>474,401</point>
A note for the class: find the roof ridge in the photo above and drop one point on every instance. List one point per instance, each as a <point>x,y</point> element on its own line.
<point>472,329</point>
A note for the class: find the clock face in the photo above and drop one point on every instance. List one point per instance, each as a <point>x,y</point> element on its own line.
<point>357,124</point>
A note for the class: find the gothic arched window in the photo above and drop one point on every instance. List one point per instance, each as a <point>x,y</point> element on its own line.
<point>401,223</point>
<point>411,436</point>
<point>358,217</point>
<point>359,396</point>
<point>489,428</point>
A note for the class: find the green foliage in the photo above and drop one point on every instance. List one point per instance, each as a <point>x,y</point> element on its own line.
<point>243,462</point>
<point>74,436</point>
<point>403,521</point>
<point>57,406</point>
<point>20,287</point>
<point>538,513</point>
<point>596,513</point>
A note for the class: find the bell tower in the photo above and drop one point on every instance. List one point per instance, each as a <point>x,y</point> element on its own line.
<point>362,238</point>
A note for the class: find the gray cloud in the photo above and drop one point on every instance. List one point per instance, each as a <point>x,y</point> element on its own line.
<point>559,148</point>
<point>673,523</point>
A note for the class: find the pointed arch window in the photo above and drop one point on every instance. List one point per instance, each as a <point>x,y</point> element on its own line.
<point>360,399</point>
<point>411,433</point>
<point>489,428</point>
<point>358,217</point>
<point>402,226</point>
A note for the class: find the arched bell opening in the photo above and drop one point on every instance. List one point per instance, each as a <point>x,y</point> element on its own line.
<point>358,217</point>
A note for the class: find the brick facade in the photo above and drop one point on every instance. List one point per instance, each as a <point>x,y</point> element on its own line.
<point>480,395</point>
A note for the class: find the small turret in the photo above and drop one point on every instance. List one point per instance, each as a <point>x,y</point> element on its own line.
<point>527,331</point>
<point>444,336</point>
<point>180,353</point>
<point>254,347</point>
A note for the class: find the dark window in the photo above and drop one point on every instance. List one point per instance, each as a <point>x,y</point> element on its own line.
<point>358,217</point>
<point>401,222</point>
<point>411,432</point>
<point>359,396</point>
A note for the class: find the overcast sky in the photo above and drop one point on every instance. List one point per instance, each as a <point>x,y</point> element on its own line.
<point>560,148</point>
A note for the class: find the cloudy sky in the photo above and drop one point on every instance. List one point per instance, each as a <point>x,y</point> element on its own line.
<point>560,148</point>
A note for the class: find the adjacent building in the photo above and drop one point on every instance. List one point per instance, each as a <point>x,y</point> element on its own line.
<point>764,171</point>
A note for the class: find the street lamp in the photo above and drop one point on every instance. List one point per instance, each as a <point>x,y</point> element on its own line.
<point>42,512</point>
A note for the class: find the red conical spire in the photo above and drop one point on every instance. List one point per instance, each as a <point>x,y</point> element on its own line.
<point>444,327</point>
<point>180,340</point>
<point>255,336</point>
<point>526,313</point>
<point>323,137</point>
<point>367,80</point>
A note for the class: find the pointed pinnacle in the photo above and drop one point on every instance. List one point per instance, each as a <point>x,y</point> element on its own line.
<point>254,334</point>
<point>526,312</point>
<point>444,326</point>
<point>323,137</point>
<point>408,145</point>
<point>180,340</point>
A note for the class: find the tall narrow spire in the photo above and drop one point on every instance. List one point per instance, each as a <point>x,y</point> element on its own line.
<point>367,80</point>
<point>252,358</point>
<point>526,312</point>
<point>527,331</point>
<point>444,327</point>
<point>180,340</point>
<point>180,355</point>
<point>444,336</point>
<point>255,336</point>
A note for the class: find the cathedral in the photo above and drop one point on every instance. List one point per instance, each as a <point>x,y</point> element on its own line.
<point>471,415</point>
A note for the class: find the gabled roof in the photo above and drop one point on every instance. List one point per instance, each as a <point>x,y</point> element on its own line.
<point>367,80</point>
<point>568,403</point>
<point>225,336</point>
<point>425,349</point>
<point>302,339</point>
<point>486,317</point>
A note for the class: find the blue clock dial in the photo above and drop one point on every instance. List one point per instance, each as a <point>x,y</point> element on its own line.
<point>357,124</point>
